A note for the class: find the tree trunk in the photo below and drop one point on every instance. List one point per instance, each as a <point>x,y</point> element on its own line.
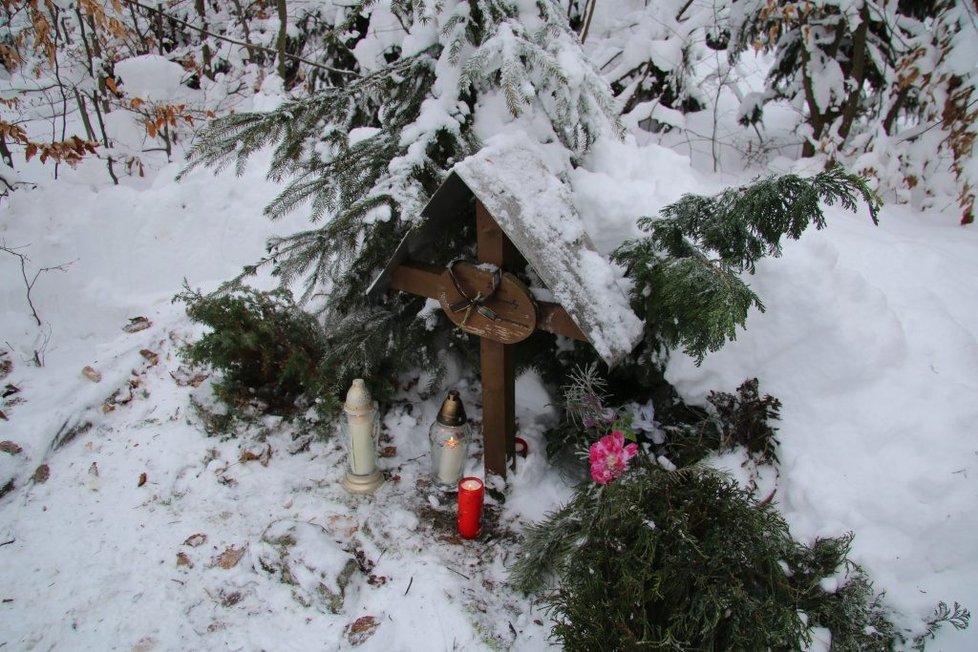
<point>283,34</point>
<point>206,50</point>
<point>815,118</point>
<point>243,18</point>
<point>857,72</point>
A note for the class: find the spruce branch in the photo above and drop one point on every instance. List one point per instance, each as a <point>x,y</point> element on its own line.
<point>688,270</point>
<point>745,224</point>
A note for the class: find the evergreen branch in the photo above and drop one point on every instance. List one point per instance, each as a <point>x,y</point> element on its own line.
<point>686,271</point>
<point>747,223</point>
<point>550,543</point>
<point>690,301</point>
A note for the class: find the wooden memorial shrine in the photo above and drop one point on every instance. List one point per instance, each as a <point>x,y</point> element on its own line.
<point>524,217</point>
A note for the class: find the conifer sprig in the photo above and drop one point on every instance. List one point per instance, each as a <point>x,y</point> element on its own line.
<point>744,224</point>
<point>687,272</point>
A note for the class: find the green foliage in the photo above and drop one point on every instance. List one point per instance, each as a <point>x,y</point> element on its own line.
<point>959,618</point>
<point>745,419</point>
<point>268,349</point>
<point>688,561</point>
<point>687,271</point>
<point>349,186</point>
<point>684,437</point>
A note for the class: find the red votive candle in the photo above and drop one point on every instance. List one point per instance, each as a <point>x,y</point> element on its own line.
<point>521,447</point>
<point>471,493</point>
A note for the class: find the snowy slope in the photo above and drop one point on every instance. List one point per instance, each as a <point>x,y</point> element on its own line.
<point>869,340</point>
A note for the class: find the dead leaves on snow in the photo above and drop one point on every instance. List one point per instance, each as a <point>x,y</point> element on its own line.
<point>137,324</point>
<point>125,394</point>
<point>184,377</point>
<point>196,540</point>
<point>10,447</point>
<point>41,474</point>
<point>91,374</point>
<point>229,558</point>
<point>262,454</point>
<point>361,629</point>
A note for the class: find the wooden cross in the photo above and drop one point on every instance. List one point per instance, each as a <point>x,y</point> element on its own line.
<point>509,320</point>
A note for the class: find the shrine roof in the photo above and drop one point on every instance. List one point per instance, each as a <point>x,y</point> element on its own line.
<point>535,209</point>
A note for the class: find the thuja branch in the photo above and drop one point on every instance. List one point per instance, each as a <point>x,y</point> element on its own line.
<point>29,282</point>
<point>687,272</point>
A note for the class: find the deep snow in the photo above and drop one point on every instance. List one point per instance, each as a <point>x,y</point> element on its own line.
<point>869,340</point>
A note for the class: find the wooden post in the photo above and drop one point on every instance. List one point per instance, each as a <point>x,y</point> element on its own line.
<point>497,365</point>
<point>498,374</point>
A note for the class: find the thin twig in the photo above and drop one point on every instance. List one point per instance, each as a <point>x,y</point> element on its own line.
<point>409,585</point>
<point>30,283</point>
<point>7,543</point>
<point>457,573</point>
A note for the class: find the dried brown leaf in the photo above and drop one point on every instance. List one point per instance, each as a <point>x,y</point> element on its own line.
<point>91,374</point>
<point>388,451</point>
<point>10,447</point>
<point>361,629</point>
<point>183,377</point>
<point>137,324</point>
<point>142,479</point>
<point>195,540</point>
<point>263,455</point>
<point>151,357</point>
<point>184,560</point>
<point>230,557</point>
<point>41,474</point>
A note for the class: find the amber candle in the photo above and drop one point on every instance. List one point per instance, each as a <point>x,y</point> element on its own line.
<point>471,493</point>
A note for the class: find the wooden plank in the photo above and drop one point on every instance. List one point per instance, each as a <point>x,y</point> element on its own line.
<point>554,319</point>
<point>498,405</point>
<point>418,278</point>
<point>498,370</point>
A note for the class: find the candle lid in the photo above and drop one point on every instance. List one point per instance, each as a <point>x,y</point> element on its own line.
<point>452,413</point>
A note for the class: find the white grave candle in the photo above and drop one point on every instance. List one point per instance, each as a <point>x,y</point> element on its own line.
<point>450,465</point>
<point>361,445</point>
<point>360,415</point>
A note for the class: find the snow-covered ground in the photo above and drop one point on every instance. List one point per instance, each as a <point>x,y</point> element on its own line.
<point>870,340</point>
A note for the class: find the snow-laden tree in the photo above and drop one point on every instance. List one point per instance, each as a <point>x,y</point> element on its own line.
<point>649,53</point>
<point>928,125</point>
<point>426,82</point>
<point>886,87</point>
<point>829,60</point>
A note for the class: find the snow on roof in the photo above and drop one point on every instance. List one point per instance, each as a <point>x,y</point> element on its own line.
<point>536,211</point>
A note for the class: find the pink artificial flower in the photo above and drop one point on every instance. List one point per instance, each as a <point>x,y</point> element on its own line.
<point>609,457</point>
